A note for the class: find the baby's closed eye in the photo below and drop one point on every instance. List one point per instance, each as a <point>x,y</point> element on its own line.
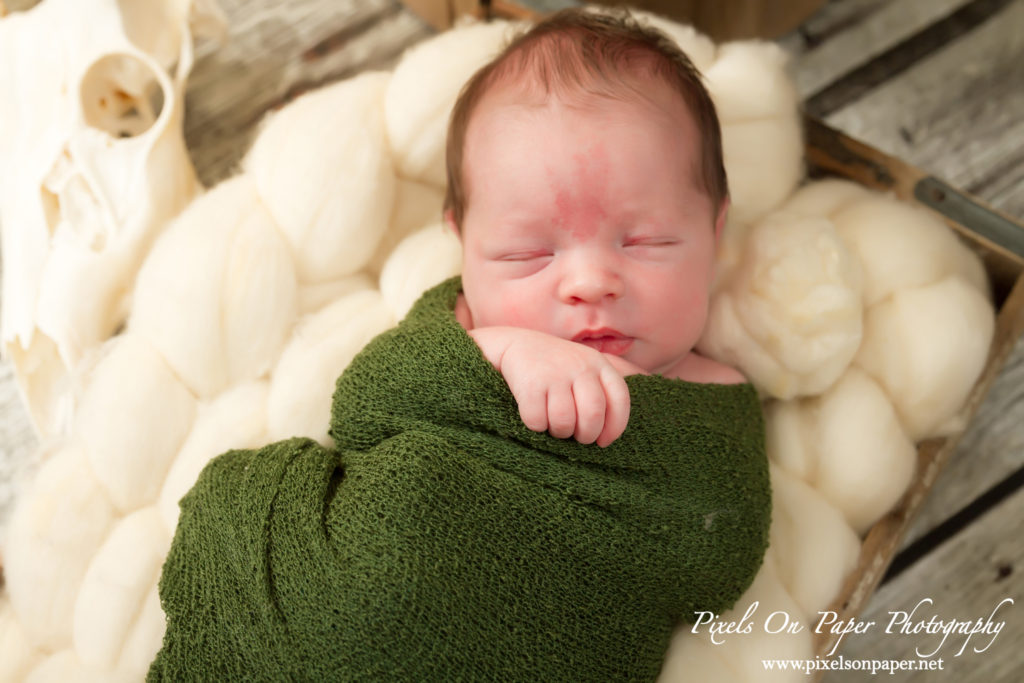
<point>524,255</point>
<point>650,241</point>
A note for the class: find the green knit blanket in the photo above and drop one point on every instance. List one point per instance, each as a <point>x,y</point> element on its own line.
<point>442,540</point>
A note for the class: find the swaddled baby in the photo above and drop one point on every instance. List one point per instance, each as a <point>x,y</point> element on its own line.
<point>456,532</point>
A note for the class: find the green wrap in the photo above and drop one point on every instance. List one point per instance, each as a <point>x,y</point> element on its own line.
<point>442,540</point>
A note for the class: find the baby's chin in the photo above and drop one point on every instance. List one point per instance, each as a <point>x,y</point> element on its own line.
<point>668,366</point>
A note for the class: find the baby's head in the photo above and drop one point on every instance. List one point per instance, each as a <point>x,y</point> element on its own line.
<point>586,182</point>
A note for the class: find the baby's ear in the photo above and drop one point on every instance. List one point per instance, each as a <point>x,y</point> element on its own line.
<point>723,212</point>
<point>449,221</point>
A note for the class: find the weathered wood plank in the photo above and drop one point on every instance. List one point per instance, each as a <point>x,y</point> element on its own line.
<point>987,558</point>
<point>18,444</point>
<point>836,16</point>
<point>901,56</point>
<point>958,114</point>
<point>276,51</point>
<point>867,28</point>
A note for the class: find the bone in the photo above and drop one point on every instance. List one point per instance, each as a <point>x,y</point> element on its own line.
<point>93,168</point>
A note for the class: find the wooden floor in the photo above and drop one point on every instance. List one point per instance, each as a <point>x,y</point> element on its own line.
<point>939,83</point>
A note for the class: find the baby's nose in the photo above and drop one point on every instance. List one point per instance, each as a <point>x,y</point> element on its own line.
<point>588,280</point>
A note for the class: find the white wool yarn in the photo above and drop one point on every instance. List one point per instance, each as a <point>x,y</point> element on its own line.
<point>419,262</point>
<point>928,381</point>
<point>899,245</point>
<point>66,667</point>
<point>825,198</point>
<point>416,205</point>
<point>423,90</point>
<point>17,653</point>
<point>749,80</point>
<point>762,163</point>
<point>224,267</point>
<point>55,531</point>
<point>145,636</point>
<point>129,443</point>
<point>815,548</point>
<point>790,315</point>
<point>312,298</point>
<point>787,442</point>
<point>902,246</point>
<point>857,454</point>
<point>322,168</point>
<point>299,403</point>
<point>235,419</point>
<point>123,572</point>
<point>762,139</point>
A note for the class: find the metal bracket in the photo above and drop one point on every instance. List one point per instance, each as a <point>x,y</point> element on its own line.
<point>959,207</point>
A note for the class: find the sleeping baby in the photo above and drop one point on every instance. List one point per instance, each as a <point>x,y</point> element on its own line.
<point>534,477</point>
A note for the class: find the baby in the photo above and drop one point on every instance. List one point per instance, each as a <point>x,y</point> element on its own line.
<point>587,187</point>
<point>441,538</point>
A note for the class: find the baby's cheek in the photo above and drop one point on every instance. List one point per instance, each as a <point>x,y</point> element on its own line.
<point>695,309</point>
<point>513,311</point>
<point>687,305</point>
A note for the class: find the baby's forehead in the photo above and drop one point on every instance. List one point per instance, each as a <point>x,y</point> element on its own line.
<point>523,92</point>
<point>529,140</point>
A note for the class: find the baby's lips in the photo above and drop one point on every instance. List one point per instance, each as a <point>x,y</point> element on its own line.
<point>605,340</point>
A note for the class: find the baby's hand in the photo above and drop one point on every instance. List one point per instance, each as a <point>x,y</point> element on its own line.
<point>562,387</point>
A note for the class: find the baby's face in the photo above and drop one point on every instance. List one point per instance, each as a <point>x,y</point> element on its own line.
<point>590,224</point>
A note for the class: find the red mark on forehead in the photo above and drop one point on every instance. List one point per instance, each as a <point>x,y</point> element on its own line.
<point>579,199</point>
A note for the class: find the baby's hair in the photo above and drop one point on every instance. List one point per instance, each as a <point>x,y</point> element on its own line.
<point>583,52</point>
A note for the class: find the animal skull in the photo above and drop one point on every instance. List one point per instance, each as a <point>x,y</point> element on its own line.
<point>92,165</point>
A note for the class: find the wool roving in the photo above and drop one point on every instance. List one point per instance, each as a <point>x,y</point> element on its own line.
<point>814,546</point>
<point>240,295</point>
<point>404,274</point>
<point>323,170</point>
<point>761,131</point>
<point>927,382</point>
<point>848,444</point>
<point>787,309</point>
<point>422,92</point>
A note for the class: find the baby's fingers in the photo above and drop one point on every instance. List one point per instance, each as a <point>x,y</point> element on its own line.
<point>561,411</point>
<point>617,406</point>
<point>533,408</point>
<point>589,397</point>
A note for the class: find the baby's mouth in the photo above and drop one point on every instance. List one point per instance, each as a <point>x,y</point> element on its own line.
<point>605,340</point>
